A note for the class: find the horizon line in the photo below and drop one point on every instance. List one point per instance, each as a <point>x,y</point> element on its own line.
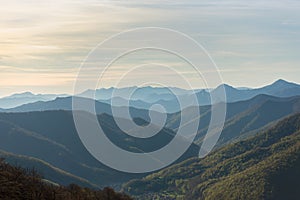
<point>134,86</point>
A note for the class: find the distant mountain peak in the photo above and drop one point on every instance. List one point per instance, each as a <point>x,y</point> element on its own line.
<point>282,83</point>
<point>226,87</point>
<point>24,94</point>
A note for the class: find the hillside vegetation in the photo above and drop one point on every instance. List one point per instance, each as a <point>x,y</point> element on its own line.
<point>17,183</point>
<point>265,166</point>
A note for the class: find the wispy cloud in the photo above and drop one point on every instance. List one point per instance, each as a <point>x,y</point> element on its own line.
<point>46,41</point>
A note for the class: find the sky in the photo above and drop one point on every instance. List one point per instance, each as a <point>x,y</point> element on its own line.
<point>43,43</point>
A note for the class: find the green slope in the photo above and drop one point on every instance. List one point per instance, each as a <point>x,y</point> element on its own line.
<point>265,166</point>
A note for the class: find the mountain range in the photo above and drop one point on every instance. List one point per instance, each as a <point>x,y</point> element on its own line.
<point>16,100</point>
<point>146,97</point>
<point>243,118</point>
<point>48,141</point>
<point>257,154</point>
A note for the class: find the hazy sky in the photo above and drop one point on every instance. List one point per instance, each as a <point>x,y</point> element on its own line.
<point>44,42</point>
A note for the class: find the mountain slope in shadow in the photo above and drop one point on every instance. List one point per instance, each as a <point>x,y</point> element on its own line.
<point>243,118</point>
<point>51,136</point>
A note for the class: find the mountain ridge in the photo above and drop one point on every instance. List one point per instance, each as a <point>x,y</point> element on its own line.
<point>145,97</point>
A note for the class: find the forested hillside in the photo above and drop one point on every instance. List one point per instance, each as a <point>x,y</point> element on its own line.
<point>17,183</point>
<point>263,167</point>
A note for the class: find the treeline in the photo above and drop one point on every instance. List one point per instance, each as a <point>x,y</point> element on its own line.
<point>18,183</point>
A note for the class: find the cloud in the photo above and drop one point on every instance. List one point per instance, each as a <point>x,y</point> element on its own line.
<point>47,40</point>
